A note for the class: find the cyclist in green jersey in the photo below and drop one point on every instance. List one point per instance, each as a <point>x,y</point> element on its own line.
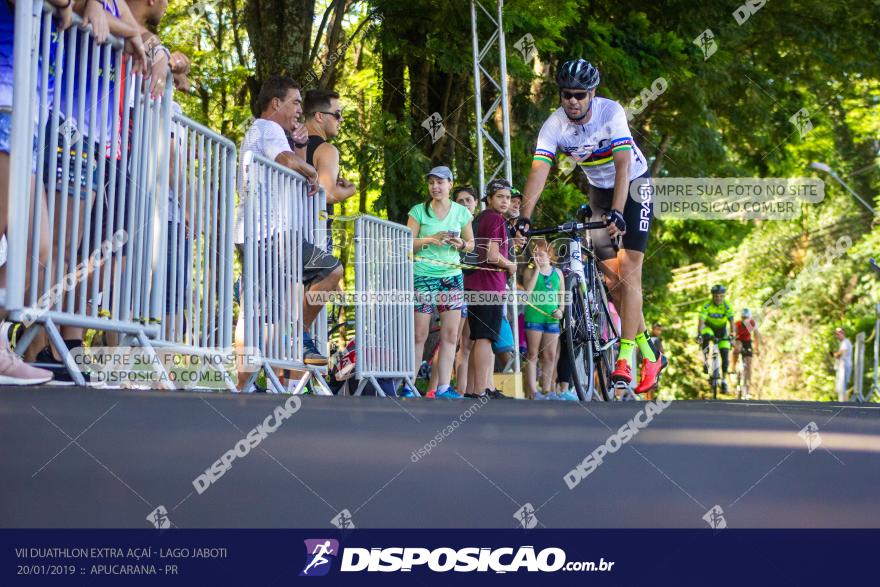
<point>715,317</point>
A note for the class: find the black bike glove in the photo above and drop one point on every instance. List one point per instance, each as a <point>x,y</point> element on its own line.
<point>523,225</point>
<point>616,218</point>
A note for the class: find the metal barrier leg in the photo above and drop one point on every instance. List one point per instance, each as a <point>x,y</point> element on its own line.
<point>23,343</point>
<point>61,347</point>
<point>300,386</point>
<point>360,388</point>
<point>412,386</point>
<point>320,387</point>
<point>158,368</point>
<point>272,379</point>
<point>230,384</point>
<point>377,387</point>
<point>251,380</point>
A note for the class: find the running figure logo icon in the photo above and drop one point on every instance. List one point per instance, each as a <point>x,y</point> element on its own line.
<point>159,518</point>
<point>715,518</point>
<point>810,435</point>
<point>706,42</point>
<point>343,520</point>
<point>526,516</point>
<point>801,119</point>
<point>526,47</point>
<point>434,125</point>
<point>320,553</point>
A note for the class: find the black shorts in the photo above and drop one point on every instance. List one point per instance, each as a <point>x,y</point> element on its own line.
<point>637,214</point>
<point>485,322</point>
<point>53,163</point>
<point>317,263</point>
<point>745,348</point>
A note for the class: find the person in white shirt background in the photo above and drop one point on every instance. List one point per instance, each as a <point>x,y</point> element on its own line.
<point>843,371</point>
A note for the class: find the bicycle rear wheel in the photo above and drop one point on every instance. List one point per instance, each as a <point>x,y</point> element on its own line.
<point>716,373</point>
<point>604,337</point>
<point>575,322</point>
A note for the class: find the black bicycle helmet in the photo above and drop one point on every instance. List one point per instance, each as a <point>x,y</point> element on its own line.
<point>716,289</point>
<point>577,73</point>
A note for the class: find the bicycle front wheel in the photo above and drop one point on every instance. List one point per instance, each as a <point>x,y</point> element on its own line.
<point>576,324</point>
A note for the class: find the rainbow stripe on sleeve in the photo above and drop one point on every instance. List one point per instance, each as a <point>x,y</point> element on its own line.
<point>545,156</point>
<point>622,144</point>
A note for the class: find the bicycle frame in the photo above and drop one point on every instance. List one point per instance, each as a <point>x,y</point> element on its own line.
<point>593,303</point>
<point>743,370</point>
<point>713,365</point>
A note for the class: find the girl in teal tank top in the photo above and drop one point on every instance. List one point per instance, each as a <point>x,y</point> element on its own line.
<point>542,314</point>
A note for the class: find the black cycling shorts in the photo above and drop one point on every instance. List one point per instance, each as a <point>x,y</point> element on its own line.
<point>485,321</point>
<point>637,214</point>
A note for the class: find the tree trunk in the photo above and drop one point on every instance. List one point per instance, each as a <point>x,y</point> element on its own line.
<point>657,165</point>
<point>279,32</point>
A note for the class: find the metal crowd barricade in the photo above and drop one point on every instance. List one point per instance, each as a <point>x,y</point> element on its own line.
<point>193,299</point>
<point>102,147</point>
<point>278,215</point>
<point>314,222</point>
<point>384,323</point>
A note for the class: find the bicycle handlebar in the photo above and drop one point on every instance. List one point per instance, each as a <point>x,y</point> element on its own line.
<point>569,227</point>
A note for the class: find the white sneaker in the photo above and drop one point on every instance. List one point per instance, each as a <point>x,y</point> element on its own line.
<point>14,371</point>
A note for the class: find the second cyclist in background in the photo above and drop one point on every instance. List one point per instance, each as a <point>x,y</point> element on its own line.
<point>746,330</point>
<point>715,317</point>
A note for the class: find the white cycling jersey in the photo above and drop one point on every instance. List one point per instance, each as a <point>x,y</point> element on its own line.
<point>593,144</point>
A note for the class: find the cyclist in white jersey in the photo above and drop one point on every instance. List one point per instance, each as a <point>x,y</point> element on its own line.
<point>594,133</point>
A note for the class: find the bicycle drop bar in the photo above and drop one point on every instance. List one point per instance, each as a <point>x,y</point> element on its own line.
<point>569,227</point>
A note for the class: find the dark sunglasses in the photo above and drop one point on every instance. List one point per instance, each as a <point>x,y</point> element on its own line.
<point>566,95</point>
<point>337,115</point>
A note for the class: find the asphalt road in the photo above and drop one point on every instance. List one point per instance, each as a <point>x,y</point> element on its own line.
<point>90,458</point>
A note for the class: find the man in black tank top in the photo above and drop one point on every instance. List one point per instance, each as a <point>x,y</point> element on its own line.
<point>323,121</point>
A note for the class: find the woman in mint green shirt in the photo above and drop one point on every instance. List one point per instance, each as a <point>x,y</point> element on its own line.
<point>441,231</point>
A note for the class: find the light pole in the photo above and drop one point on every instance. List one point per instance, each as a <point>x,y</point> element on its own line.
<point>827,169</point>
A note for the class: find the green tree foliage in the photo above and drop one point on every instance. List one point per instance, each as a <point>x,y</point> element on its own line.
<point>724,114</point>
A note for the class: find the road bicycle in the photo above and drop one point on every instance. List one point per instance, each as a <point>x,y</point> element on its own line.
<point>744,370</point>
<point>588,331</point>
<point>712,364</point>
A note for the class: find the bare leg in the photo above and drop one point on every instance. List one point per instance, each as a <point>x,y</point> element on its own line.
<point>435,372</point>
<point>549,344</point>
<point>533,337</point>
<point>463,356</point>
<point>618,272</point>
<point>422,325</point>
<point>327,284</point>
<point>482,362</point>
<point>449,322</point>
